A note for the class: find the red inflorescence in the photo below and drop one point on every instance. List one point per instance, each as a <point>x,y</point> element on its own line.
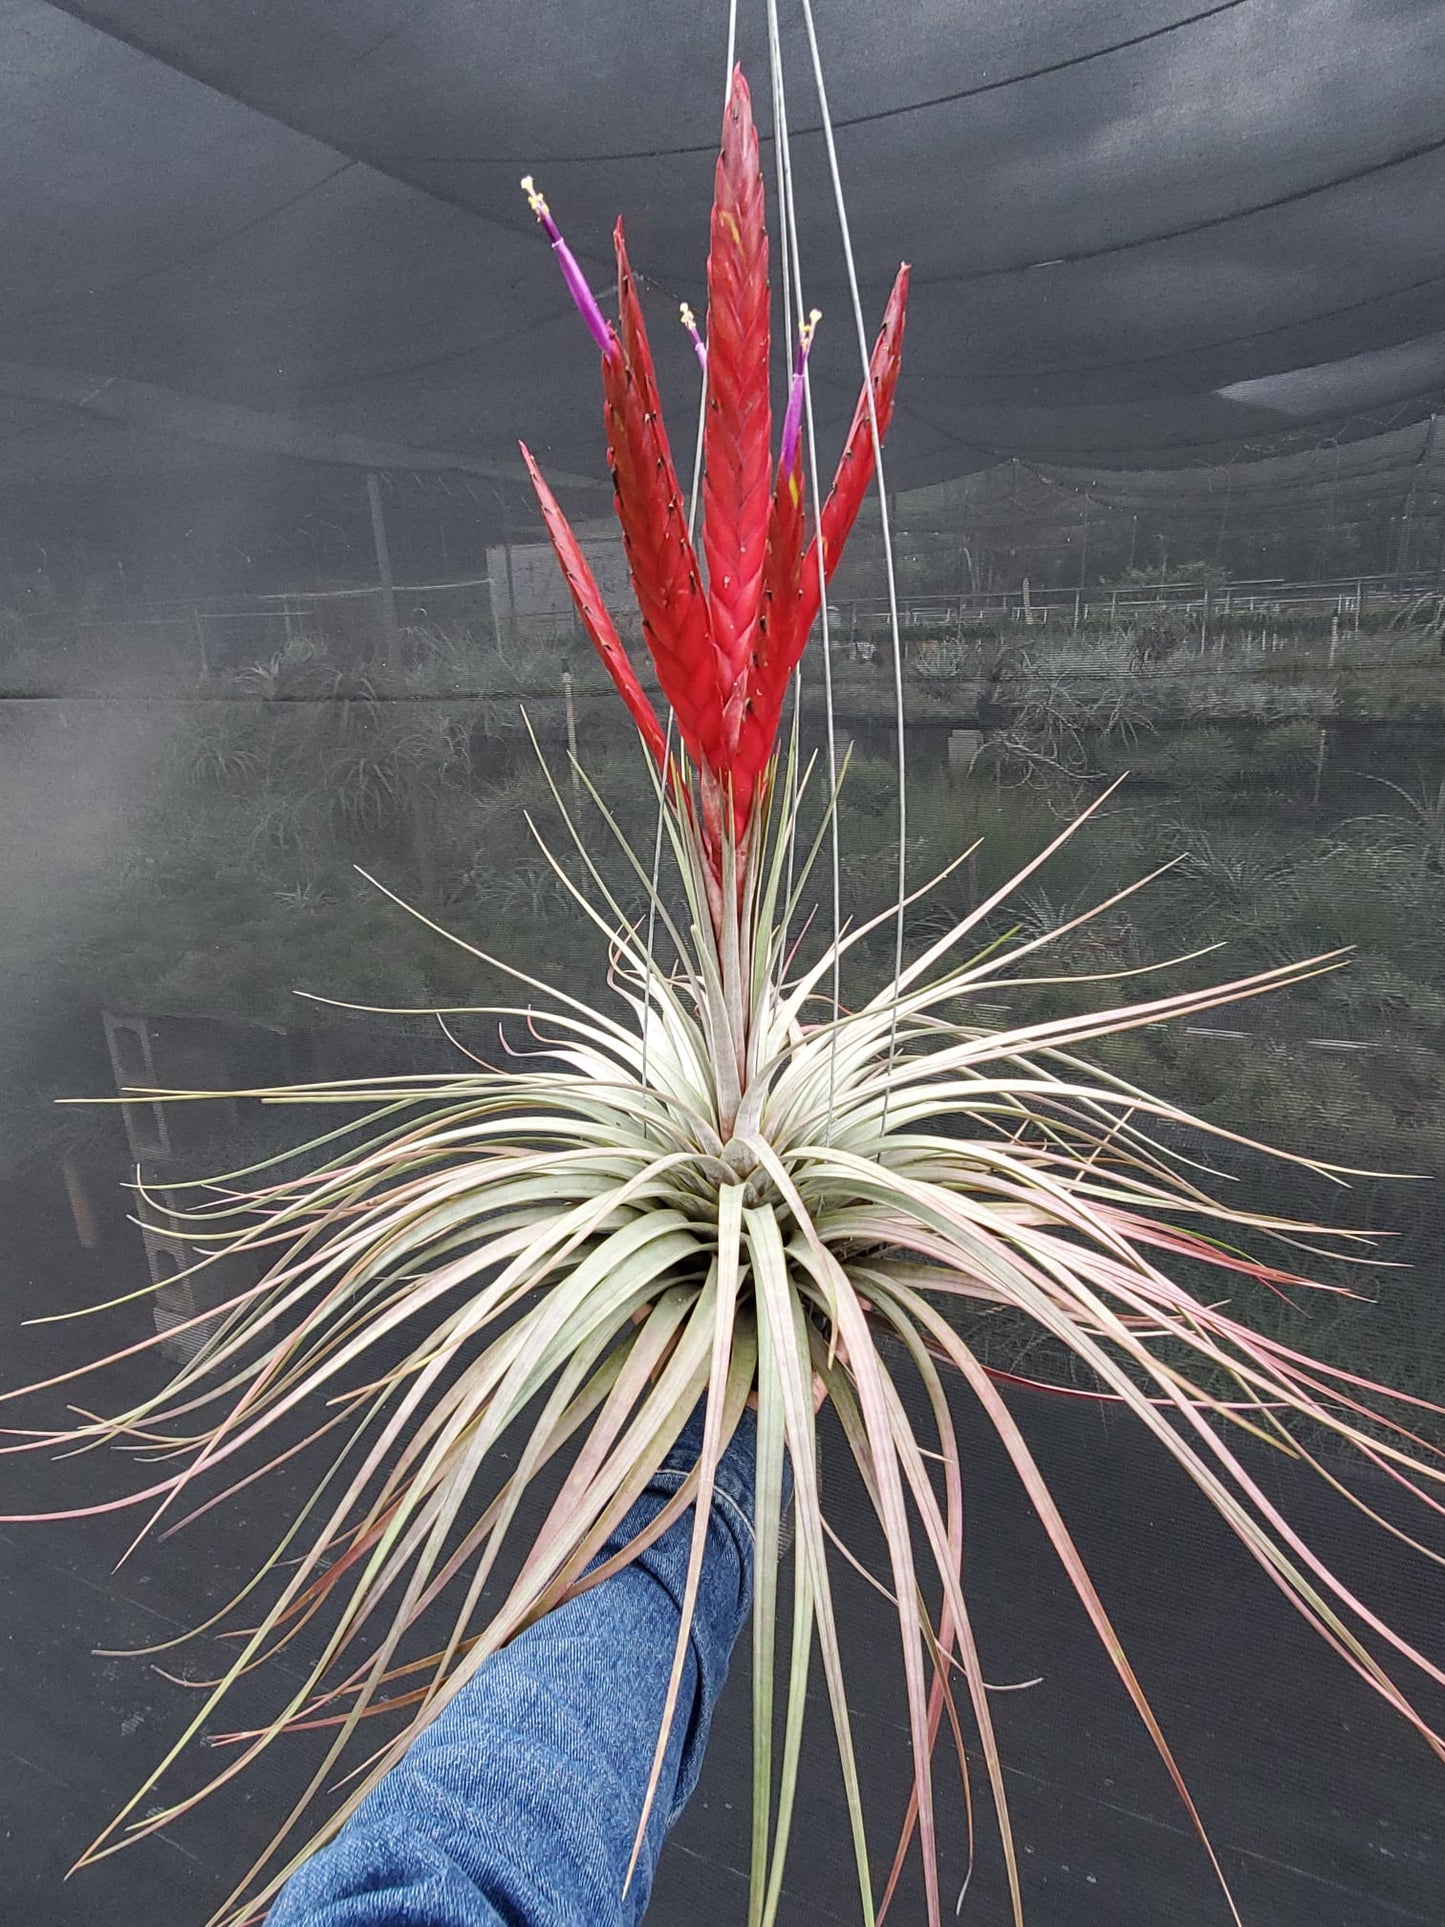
<point>724,651</point>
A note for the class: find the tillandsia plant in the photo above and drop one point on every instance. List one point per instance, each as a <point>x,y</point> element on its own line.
<point>725,1186</point>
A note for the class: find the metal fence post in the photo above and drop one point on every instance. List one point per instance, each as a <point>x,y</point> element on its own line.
<point>391,625</point>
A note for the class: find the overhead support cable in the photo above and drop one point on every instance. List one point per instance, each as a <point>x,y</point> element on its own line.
<point>166,56</point>
<point>1245,213</point>
<point>950,99</point>
<point>1036,370</point>
<point>198,418</point>
<point>96,290</point>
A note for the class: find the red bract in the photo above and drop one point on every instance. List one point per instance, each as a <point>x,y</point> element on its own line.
<point>725,652</point>
<point>737,430</point>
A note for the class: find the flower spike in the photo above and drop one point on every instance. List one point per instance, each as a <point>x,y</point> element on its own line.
<point>724,641</point>
<point>652,511</point>
<point>577,286</point>
<point>737,431</point>
<point>689,321</point>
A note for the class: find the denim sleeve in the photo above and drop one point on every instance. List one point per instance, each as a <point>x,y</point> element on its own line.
<point>519,1804</point>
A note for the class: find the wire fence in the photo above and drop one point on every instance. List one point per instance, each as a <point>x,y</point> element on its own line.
<point>1351,597</point>
<point>202,640</point>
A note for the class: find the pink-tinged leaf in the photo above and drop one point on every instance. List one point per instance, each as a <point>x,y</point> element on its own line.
<point>724,1283</point>
<point>865,1369</point>
<point>941,1647</point>
<point>783,1354</point>
<point>1042,1500</point>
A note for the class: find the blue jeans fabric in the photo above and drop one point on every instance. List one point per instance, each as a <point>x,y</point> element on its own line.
<point>518,1806</point>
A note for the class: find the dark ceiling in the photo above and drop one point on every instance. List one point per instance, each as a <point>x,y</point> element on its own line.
<point>1144,233</point>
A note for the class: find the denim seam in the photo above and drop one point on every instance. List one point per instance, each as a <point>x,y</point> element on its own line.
<point>669,1479</point>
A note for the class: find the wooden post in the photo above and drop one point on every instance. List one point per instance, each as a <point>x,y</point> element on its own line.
<point>507,560</point>
<point>1334,637</point>
<point>571,712</point>
<point>1084,547</point>
<point>963,750</point>
<point>1223,518</point>
<point>82,1211</point>
<point>391,625</point>
<point>496,615</point>
<point>1028,604</point>
<point>198,626</point>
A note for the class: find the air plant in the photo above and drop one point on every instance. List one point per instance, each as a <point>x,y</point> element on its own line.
<point>724,1186</point>
<point>1420,825</point>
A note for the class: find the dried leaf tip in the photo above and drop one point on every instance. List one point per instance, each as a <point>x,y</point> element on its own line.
<point>597,323</point>
<point>689,321</point>
<point>793,418</point>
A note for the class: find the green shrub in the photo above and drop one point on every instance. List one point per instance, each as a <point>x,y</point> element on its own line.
<point>870,787</point>
<point>1287,752</point>
<point>1198,759</point>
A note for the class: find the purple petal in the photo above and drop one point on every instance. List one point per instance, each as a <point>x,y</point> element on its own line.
<point>689,321</point>
<point>788,454</point>
<point>597,323</point>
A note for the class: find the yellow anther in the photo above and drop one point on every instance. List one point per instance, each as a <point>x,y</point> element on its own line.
<point>534,199</point>
<point>689,319</point>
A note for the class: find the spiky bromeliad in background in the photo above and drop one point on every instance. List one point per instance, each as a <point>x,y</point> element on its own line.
<point>729,1188</point>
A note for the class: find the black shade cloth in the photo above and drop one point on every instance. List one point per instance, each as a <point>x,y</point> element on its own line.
<point>1130,256</point>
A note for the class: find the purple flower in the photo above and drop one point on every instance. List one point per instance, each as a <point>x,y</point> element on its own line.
<point>793,418</point>
<point>597,322</point>
<point>689,321</point>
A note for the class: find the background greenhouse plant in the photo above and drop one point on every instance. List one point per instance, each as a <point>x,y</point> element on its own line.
<point>726,1184</point>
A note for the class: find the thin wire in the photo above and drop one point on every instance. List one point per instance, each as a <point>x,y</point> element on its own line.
<point>95,290</point>
<point>692,507</point>
<point>955,278</point>
<point>1192,348</point>
<point>783,162</point>
<point>397,371</point>
<point>971,92</point>
<point>791,289</point>
<point>884,517</point>
<point>788,230</point>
